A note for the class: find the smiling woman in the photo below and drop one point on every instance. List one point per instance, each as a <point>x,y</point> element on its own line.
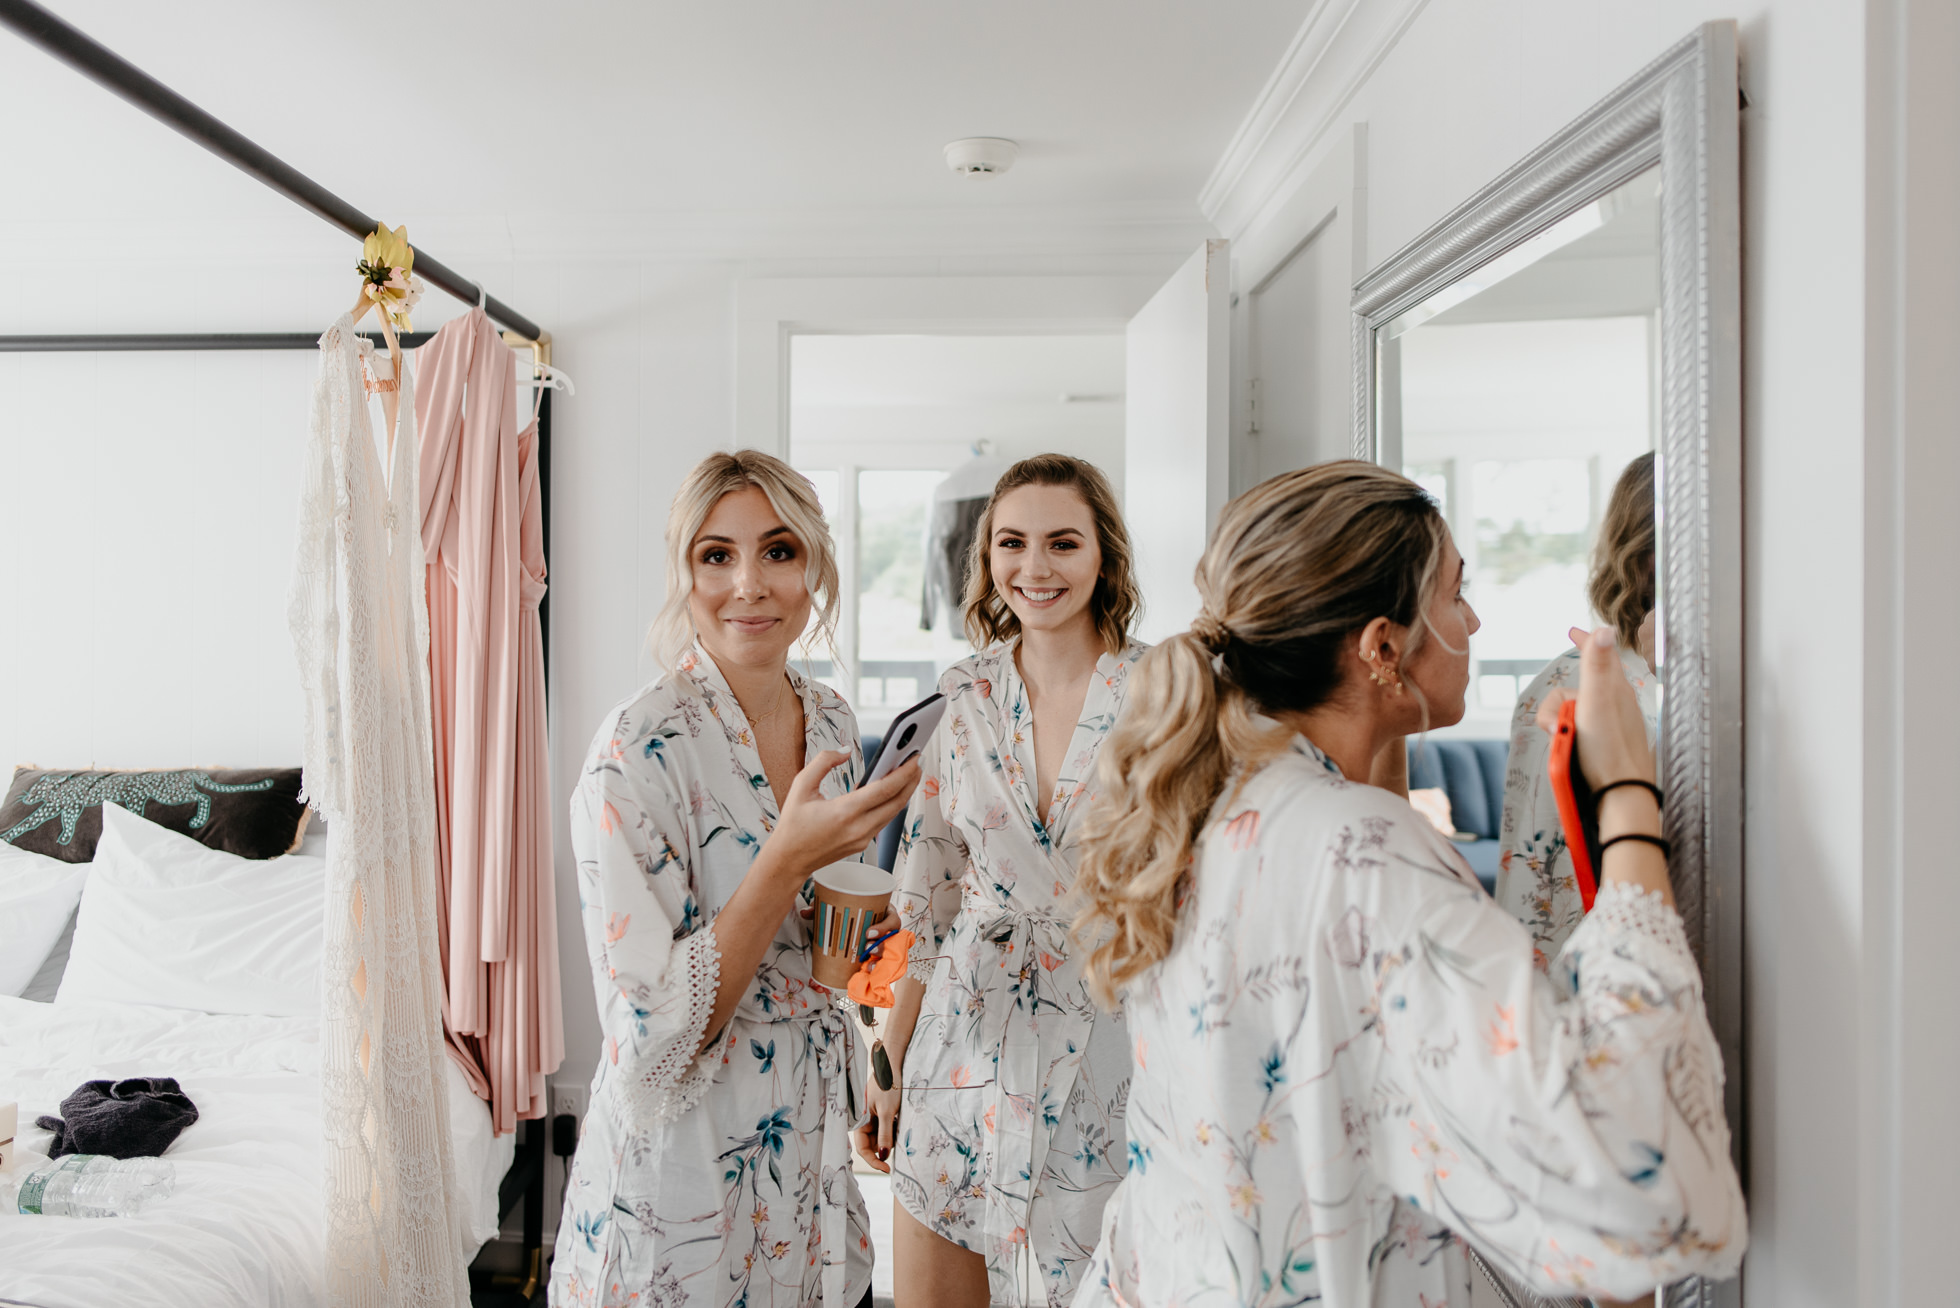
<point>992,1196</point>
<point>718,1140</point>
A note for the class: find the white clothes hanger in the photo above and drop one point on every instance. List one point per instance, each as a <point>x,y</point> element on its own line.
<point>547,378</point>
<point>973,479</point>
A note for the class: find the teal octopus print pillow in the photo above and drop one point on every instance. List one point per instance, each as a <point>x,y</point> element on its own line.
<point>251,812</point>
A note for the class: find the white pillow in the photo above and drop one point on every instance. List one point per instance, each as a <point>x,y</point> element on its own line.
<point>38,895</point>
<point>165,920</point>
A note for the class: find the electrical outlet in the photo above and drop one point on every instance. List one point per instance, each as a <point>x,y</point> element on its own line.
<point>568,1099</point>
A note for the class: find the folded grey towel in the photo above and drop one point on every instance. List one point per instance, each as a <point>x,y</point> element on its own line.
<point>139,1117</point>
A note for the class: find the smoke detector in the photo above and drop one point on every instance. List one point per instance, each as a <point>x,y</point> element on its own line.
<point>981,156</point>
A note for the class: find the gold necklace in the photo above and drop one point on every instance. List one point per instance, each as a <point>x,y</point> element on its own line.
<point>755,721</point>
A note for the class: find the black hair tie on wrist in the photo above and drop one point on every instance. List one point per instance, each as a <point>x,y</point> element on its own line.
<point>1648,786</point>
<point>1658,842</point>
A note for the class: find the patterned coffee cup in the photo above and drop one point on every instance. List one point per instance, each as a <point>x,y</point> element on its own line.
<point>850,896</point>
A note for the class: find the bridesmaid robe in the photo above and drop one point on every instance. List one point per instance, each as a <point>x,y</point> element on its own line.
<point>723,1177</point>
<point>483,535</point>
<point>1348,1064</point>
<point>1010,1132</point>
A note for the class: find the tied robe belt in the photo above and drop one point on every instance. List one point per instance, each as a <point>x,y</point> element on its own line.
<point>843,1097</point>
<point>1039,1030</point>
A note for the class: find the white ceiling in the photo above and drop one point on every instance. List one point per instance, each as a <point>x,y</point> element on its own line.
<point>543,130</point>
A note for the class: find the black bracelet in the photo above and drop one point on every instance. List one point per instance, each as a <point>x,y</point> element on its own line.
<point>1658,842</point>
<point>1648,786</point>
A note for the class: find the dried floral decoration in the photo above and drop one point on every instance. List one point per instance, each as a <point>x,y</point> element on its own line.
<point>385,267</point>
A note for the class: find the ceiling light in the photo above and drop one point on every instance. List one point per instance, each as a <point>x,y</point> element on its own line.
<point>981,156</point>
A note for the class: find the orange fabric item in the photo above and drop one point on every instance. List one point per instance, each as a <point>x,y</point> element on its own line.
<point>483,536</point>
<point>871,984</point>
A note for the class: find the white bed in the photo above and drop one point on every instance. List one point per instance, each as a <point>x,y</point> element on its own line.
<point>245,1226</point>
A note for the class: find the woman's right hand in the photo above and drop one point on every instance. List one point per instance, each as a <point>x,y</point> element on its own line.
<point>815,832</point>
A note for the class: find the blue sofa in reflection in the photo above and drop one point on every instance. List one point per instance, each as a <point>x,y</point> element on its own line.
<point>1470,772</point>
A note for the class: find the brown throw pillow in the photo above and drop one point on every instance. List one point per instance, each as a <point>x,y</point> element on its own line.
<point>251,812</point>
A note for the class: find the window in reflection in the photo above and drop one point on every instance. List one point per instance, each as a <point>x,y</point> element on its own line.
<point>1518,429</point>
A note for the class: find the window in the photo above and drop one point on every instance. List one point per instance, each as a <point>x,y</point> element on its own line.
<point>879,422</point>
<point>880,530</point>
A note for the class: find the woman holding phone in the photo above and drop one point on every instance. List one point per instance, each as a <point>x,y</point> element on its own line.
<point>1004,1126</point>
<point>1348,1067</point>
<point>714,1166</point>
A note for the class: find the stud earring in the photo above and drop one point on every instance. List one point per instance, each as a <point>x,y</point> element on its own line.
<point>1382,676</point>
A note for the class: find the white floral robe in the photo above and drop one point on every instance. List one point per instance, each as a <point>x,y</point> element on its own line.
<point>1010,1134</point>
<point>720,1179</point>
<point>1535,880</point>
<point>1347,1060</point>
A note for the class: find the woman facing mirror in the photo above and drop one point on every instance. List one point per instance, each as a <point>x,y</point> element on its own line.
<point>1004,1126</point>
<point>1347,1065</point>
<point>1535,879</point>
<point>715,1162</point>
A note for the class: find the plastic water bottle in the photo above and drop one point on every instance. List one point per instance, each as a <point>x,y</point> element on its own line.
<point>95,1185</point>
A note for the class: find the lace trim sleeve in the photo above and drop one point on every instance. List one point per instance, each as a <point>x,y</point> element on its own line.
<point>1642,927</point>
<point>676,1080</point>
<point>1629,926</point>
<point>921,965</point>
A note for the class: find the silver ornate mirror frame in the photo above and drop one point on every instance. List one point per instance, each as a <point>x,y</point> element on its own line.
<point>1681,113</point>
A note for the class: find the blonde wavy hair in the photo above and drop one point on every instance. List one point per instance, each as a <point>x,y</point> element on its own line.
<point>1117,602</point>
<point>1621,589</point>
<point>1297,567</point>
<point>795,502</point>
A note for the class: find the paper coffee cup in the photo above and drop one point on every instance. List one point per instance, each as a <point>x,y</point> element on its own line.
<point>850,896</point>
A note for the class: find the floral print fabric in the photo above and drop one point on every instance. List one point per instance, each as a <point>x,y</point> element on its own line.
<point>1010,1132</point>
<point>1348,1062</point>
<point>1535,880</point>
<point>721,1178</point>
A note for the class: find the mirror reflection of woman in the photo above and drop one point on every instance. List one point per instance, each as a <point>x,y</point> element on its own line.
<point>1347,1064</point>
<point>714,1165</point>
<point>1004,1129</point>
<point>1535,880</point>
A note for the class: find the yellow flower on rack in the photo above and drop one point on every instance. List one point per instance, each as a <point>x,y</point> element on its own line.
<point>386,261</point>
<point>385,249</point>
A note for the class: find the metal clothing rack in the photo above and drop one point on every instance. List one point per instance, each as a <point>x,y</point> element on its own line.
<point>97,62</point>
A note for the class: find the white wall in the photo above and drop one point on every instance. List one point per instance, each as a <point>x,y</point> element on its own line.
<point>1910,1043</point>
<point>1470,87</point>
<point>146,533</point>
<point>924,401</point>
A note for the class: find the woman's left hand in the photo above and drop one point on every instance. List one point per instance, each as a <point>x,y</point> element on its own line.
<point>884,926</point>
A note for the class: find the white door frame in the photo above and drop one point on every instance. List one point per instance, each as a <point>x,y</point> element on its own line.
<point>1330,202</point>
<point>769,311</point>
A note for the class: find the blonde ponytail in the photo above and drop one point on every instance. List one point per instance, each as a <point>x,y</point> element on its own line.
<point>1297,565</point>
<point>1182,733</point>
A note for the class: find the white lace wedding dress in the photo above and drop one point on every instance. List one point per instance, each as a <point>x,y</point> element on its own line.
<point>361,633</point>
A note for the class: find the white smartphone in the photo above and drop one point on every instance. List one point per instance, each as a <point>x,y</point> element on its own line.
<point>906,738</point>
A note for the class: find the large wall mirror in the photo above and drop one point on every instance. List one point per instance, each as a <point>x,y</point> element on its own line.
<point>1561,346</point>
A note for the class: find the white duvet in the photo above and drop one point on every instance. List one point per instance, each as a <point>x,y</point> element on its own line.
<point>245,1225</point>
